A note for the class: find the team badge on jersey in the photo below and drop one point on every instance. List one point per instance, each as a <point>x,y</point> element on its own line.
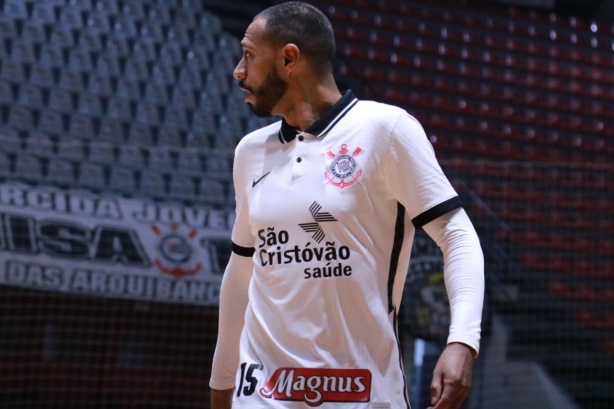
<point>343,170</point>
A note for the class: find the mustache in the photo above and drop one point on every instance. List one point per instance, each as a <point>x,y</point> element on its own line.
<point>246,87</point>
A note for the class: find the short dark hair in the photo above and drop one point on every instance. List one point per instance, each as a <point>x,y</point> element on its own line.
<point>303,25</point>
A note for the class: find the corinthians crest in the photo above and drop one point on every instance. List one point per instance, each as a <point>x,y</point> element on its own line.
<point>343,172</point>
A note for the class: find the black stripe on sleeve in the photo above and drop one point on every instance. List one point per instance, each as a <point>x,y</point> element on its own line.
<point>397,245</point>
<point>434,212</point>
<point>243,251</point>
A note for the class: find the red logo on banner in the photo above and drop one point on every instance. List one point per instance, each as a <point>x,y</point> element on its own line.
<point>177,252</point>
<point>315,386</point>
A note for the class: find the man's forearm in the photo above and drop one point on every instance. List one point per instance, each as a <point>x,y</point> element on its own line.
<point>221,399</point>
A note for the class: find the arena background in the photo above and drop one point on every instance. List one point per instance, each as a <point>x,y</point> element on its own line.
<point>118,120</point>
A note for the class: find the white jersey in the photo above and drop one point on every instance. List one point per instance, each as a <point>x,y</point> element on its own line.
<point>329,216</point>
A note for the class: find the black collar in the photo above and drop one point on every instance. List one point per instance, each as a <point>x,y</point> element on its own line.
<point>324,123</point>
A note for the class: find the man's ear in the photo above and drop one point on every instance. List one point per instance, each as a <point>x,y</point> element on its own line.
<point>291,56</point>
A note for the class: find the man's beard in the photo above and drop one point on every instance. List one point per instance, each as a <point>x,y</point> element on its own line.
<point>268,94</point>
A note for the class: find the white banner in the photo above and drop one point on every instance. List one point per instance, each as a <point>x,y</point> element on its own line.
<point>79,242</point>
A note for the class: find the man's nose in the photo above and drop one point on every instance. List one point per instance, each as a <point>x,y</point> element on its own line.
<point>239,71</point>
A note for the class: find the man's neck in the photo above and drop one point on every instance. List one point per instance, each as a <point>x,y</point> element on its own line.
<point>305,109</point>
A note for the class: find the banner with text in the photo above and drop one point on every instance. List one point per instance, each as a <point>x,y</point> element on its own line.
<point>79,242</point>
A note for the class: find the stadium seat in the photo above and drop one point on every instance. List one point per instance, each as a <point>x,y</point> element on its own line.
<point>21,117</point>
<point>131,156</point>
<point>128,89</point>
<point>152,184</point>
<point>163,74</point>
<point>140,135</point>
<point>108,66</point>
<point>197,54</point>
<point>160,159</point>
<point>176,117</point>
<point>197,140</point>
<point>100,84</point>
<point>61,100</point>
<point>15,9</point>
<point>52,122</point>
<point>151,31</point>
<point>157,93</point>
<point>183,98</point>
<point>178,34</point>
<point>5,165</point>
<point>125,27</point>
<point>7,93</point>
<point>101,153</point>
<point>80,60</point>
<point>211,23</point>
<point>171,53</point>
<point>203,122</point>
<point>71,149</point>
<point>210,101</point>
<point>31,96</point>
<point>61,171</point>
<point>72,17</point>
<point>10,141</point>
<point>148,113</point>
<point>120,109</point>
<point>44,12</point>
<point>34,33</point>
<point>182,187</point>
<point>170,138</point>
<point>42,76</point>
<point>189,162</point>
<point>72,81</point>
<point>92,176</point>
<point>211,191</point>
<point>13,71</point>
<point>136,70</point>
<point>8,28</point>
<point>52,56</point>
<point>218,164</point>
<point>122,180</point>
<point>218,80</point>
<point>134,9</point>
<point>90,104</point>
<point>111,131</point>
<point>23,51</point>
<point>82,126</point>
<point>98,21</point>
<point>62,37</point>
<point>91,41</point>
<point>28,167</point>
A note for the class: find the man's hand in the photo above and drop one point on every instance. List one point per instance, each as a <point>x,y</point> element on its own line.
<point>221,399</point>
<point>452,377</point>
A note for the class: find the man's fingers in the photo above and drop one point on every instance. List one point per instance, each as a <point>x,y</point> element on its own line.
<point>448,395</point>
<point>436,388</point>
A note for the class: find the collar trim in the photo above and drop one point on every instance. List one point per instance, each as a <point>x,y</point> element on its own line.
<point>325,123</point>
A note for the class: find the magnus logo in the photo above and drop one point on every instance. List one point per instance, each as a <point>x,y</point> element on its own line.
<point>315,386</point>
<point>318,217</point>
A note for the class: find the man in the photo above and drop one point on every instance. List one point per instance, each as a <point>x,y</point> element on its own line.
<point>327,201</point>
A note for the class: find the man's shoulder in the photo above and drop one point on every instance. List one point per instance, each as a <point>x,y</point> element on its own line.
<point>369,109</point>
<point>261,135</point>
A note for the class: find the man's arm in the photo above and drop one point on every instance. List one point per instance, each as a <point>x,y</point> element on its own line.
<point>464,279</point>
<point>221,399</point>
<point>233,303</point>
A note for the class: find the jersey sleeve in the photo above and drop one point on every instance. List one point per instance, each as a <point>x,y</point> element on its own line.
<point>414,176</point>
<point>242,238</point>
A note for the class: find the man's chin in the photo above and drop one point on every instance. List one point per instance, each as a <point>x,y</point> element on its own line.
<point>259,112</point>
